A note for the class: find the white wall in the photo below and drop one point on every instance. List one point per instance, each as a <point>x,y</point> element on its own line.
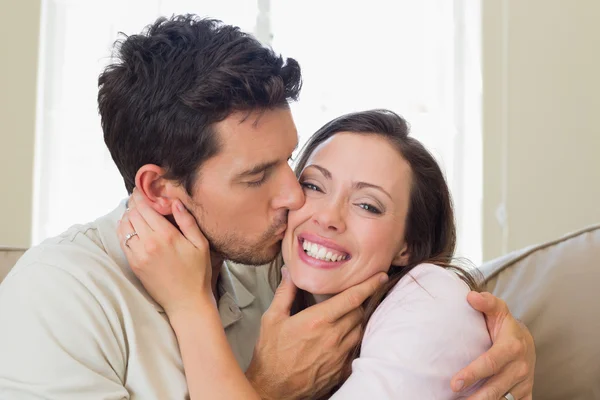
<point>541,112</point>
<point>541,119</point>
<point>19,31</point>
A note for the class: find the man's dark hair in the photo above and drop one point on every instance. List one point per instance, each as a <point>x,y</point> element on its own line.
<point>171,83</point>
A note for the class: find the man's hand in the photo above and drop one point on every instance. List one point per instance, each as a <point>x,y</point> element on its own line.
<point>509,363</point>
<point>302,356</point>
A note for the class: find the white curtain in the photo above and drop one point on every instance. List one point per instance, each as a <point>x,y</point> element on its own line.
<point>419,58</point>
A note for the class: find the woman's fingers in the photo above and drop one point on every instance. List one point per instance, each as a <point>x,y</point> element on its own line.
<point>189,227</point>
<point>138,222</point>
<point>125,228</point>
<point>155,220</point>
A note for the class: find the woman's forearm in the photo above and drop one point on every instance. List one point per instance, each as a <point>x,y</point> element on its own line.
<point>211,369</point>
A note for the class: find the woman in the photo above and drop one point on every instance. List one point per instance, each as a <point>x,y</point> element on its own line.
<point>376,200</point>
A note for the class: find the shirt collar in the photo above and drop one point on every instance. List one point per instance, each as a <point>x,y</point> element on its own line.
<point>233,296</point>
<point>230,283</point>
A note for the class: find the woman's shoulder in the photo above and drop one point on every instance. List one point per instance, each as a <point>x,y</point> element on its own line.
<point>428,292</point>
<point>428,282</point>
<point>420,335</point>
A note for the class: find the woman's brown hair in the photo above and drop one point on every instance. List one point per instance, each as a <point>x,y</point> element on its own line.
<point>430,231</point>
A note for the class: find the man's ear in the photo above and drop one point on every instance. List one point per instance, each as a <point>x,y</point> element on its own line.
<point>158,191</point>
<point>402,257</point>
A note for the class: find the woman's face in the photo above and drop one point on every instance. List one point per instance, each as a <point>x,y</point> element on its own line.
<point>351,227</point>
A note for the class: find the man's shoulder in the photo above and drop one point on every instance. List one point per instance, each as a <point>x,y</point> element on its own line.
<point>73,251</point>
<point>90,248</point>
<point>79,253</point>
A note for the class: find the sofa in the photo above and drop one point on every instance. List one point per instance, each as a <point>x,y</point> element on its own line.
<point>8,258</point>
<point>554,288</point>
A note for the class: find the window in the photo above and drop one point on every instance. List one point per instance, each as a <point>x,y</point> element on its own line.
<point>418,58</point>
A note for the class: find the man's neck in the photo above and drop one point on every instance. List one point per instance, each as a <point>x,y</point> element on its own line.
<point>216,262</point>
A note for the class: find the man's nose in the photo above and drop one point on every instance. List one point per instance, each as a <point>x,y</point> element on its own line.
<point>290,195</point>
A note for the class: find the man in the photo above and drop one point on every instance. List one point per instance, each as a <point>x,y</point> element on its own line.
<point>196,112</point>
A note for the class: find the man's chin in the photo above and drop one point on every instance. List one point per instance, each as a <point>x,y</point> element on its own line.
<point>255,258</point>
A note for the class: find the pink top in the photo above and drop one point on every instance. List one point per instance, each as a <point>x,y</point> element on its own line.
<point>422,334</point>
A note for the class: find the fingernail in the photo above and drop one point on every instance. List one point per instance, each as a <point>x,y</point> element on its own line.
<point>459,385</point>
<point>285,274</point>
<point>179,206</point>
<point>384,278</point>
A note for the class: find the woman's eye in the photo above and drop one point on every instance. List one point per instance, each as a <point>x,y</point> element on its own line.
<point>369,208</point>
<point>310,186</point>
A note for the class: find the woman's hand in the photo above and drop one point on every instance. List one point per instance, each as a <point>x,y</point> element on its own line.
<point>175,269</point>
<point>173,266</point>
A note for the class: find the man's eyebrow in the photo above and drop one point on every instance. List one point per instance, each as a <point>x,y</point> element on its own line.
<point>258,169</point>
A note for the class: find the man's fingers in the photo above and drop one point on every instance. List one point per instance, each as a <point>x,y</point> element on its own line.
<point>351,339</point>
<point>484,366</point>
<point>284,295</point>
<point>351,298</point>
<point>498,386</point>
<point>189,227</point>
<point>349,321</point>
<point>488,304</point>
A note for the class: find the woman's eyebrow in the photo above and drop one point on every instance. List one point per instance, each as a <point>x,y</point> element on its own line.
<point>323,170</point>
<point>362,185</point>
<point>355,185</point>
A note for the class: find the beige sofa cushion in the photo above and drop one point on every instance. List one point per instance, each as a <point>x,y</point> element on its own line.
<point>8,258</point>
<point>554,288</point>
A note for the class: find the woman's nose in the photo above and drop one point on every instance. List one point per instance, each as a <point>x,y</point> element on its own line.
<point>330,218</point>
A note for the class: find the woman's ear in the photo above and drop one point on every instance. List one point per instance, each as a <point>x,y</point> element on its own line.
<point>402,257</point>
<point>157,191</point>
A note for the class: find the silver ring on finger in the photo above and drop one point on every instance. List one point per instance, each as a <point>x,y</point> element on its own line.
<point>509,396</point>
<point>132,234</point>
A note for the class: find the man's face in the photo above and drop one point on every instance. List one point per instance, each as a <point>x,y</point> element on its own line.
<point>242,196</point>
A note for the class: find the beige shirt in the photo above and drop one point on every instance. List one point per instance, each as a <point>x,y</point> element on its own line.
<point>75,322</point>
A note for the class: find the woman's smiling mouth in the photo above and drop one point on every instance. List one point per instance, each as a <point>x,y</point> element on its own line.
<point>320,252</point>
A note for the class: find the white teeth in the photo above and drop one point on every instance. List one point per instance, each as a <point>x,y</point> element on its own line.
<point>314,249</point>
<point>322,253</point>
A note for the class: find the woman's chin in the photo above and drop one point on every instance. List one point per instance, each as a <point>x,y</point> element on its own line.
<point>313,286</point>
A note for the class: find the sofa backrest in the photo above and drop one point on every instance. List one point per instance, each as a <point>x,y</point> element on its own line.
<point>8,258</point>
<point>554,288</point>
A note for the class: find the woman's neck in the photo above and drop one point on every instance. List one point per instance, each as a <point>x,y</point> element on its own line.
<point>318,298</point>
